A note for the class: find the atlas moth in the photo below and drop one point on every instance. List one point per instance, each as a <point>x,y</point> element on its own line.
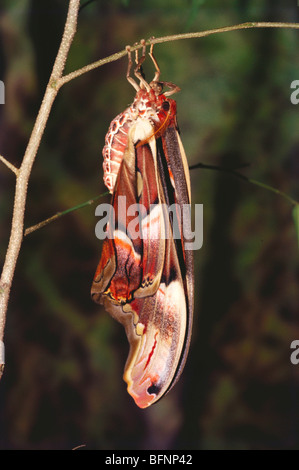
<point>146,282</point>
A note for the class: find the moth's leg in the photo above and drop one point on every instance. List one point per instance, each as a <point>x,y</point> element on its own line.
<point>173,88</point>
<point>158,72</point>
<point>139,62</point>
<point>156,84</point>
<point>130,62</point>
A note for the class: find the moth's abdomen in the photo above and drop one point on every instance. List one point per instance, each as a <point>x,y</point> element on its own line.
<point>115,143</point>
<point>147,106</point>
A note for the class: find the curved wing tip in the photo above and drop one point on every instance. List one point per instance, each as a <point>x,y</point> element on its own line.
<point>145,396</point>
<point>143,401</point>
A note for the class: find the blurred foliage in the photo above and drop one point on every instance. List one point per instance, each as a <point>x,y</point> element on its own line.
<point>63,385</point>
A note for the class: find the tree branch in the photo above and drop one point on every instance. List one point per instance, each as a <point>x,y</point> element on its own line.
<point>176,37</point>
<point>23,174</point>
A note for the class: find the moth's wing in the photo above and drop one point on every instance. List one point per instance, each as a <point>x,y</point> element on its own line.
<point>139,281</point>
<point>177,190</point>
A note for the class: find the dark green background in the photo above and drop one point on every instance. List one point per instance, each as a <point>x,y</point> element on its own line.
<point>63,384</point>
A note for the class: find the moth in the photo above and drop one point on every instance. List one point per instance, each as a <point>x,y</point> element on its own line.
<point>145,275</point>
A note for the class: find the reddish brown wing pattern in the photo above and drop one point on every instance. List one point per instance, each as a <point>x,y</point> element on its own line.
<point>142,281</point>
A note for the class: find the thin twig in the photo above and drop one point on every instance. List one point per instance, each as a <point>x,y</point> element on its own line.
<point>175,37</point>
<point>234,172</point>
<point>9,165</point>
<point>225,29</point>
<point>273,190</point>
<point>56,216</point>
